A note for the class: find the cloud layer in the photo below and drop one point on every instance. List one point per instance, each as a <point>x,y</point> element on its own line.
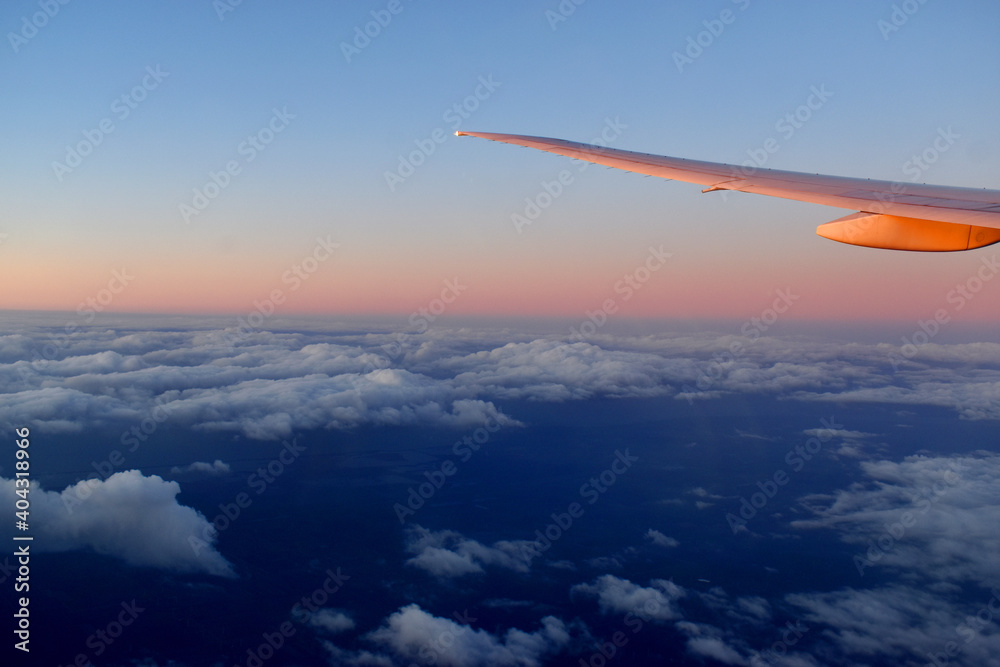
<point>265,385</point>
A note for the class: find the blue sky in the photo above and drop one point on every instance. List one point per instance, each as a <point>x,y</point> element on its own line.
<point>891,93</point>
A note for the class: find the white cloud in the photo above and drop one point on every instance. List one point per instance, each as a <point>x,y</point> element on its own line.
<point>659,539</point>
<point>215,468</point>
<point>266,385</point>
<point>904,625</point>
<point>933,516</point>
<point>753,610</point>
<point>930,522</point>
<point>621,596</point>
<point>332,621</point>
<point>128,516</point>
<point>415,635</point>
<point>840,433</point>
<point>446,553</point>
<point>717,649</point>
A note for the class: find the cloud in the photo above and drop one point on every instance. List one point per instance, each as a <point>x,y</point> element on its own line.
<point>931,522</point>
<point>707,641</point>
<point>752,610</point>
<point>932,516</point>
<point>332,621</point>
<point>446,553</point>
<point>659,539</point>
<point>415,635</point>
<point>215,468</point>
<point>621,596</point>
<point>729,644</point>
<point>717,649</point>
<point>128,516</point>
<point>905,625</point>
<point>840,433</point>
<point>265,385</point>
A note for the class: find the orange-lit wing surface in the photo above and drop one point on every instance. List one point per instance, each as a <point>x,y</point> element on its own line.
<point>897,216</point>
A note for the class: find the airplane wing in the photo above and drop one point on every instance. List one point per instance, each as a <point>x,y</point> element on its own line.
<point>896,216</point>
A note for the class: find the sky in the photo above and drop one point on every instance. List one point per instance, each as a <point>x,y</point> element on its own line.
<point>306,379</point>
<point>259,157</point>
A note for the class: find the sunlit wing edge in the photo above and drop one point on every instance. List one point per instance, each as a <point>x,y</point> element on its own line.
<point>890,215</point>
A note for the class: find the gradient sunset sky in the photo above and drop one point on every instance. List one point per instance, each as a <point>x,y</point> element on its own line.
<point>184,86</point>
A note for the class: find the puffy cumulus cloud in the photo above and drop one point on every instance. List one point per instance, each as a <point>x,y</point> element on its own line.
<point>273,409</point>
<point>659,539</point>
<point>621,596</point>
<point>332,621</point>
<point>261,384</point>
<point>554,370</point>
<point>446,553</point>
<point>415,635</point>
<point>904,625</point>
<point>217,467</point>
<point>129,516</point>
<point>265,384</point>
<point>929,516</point>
